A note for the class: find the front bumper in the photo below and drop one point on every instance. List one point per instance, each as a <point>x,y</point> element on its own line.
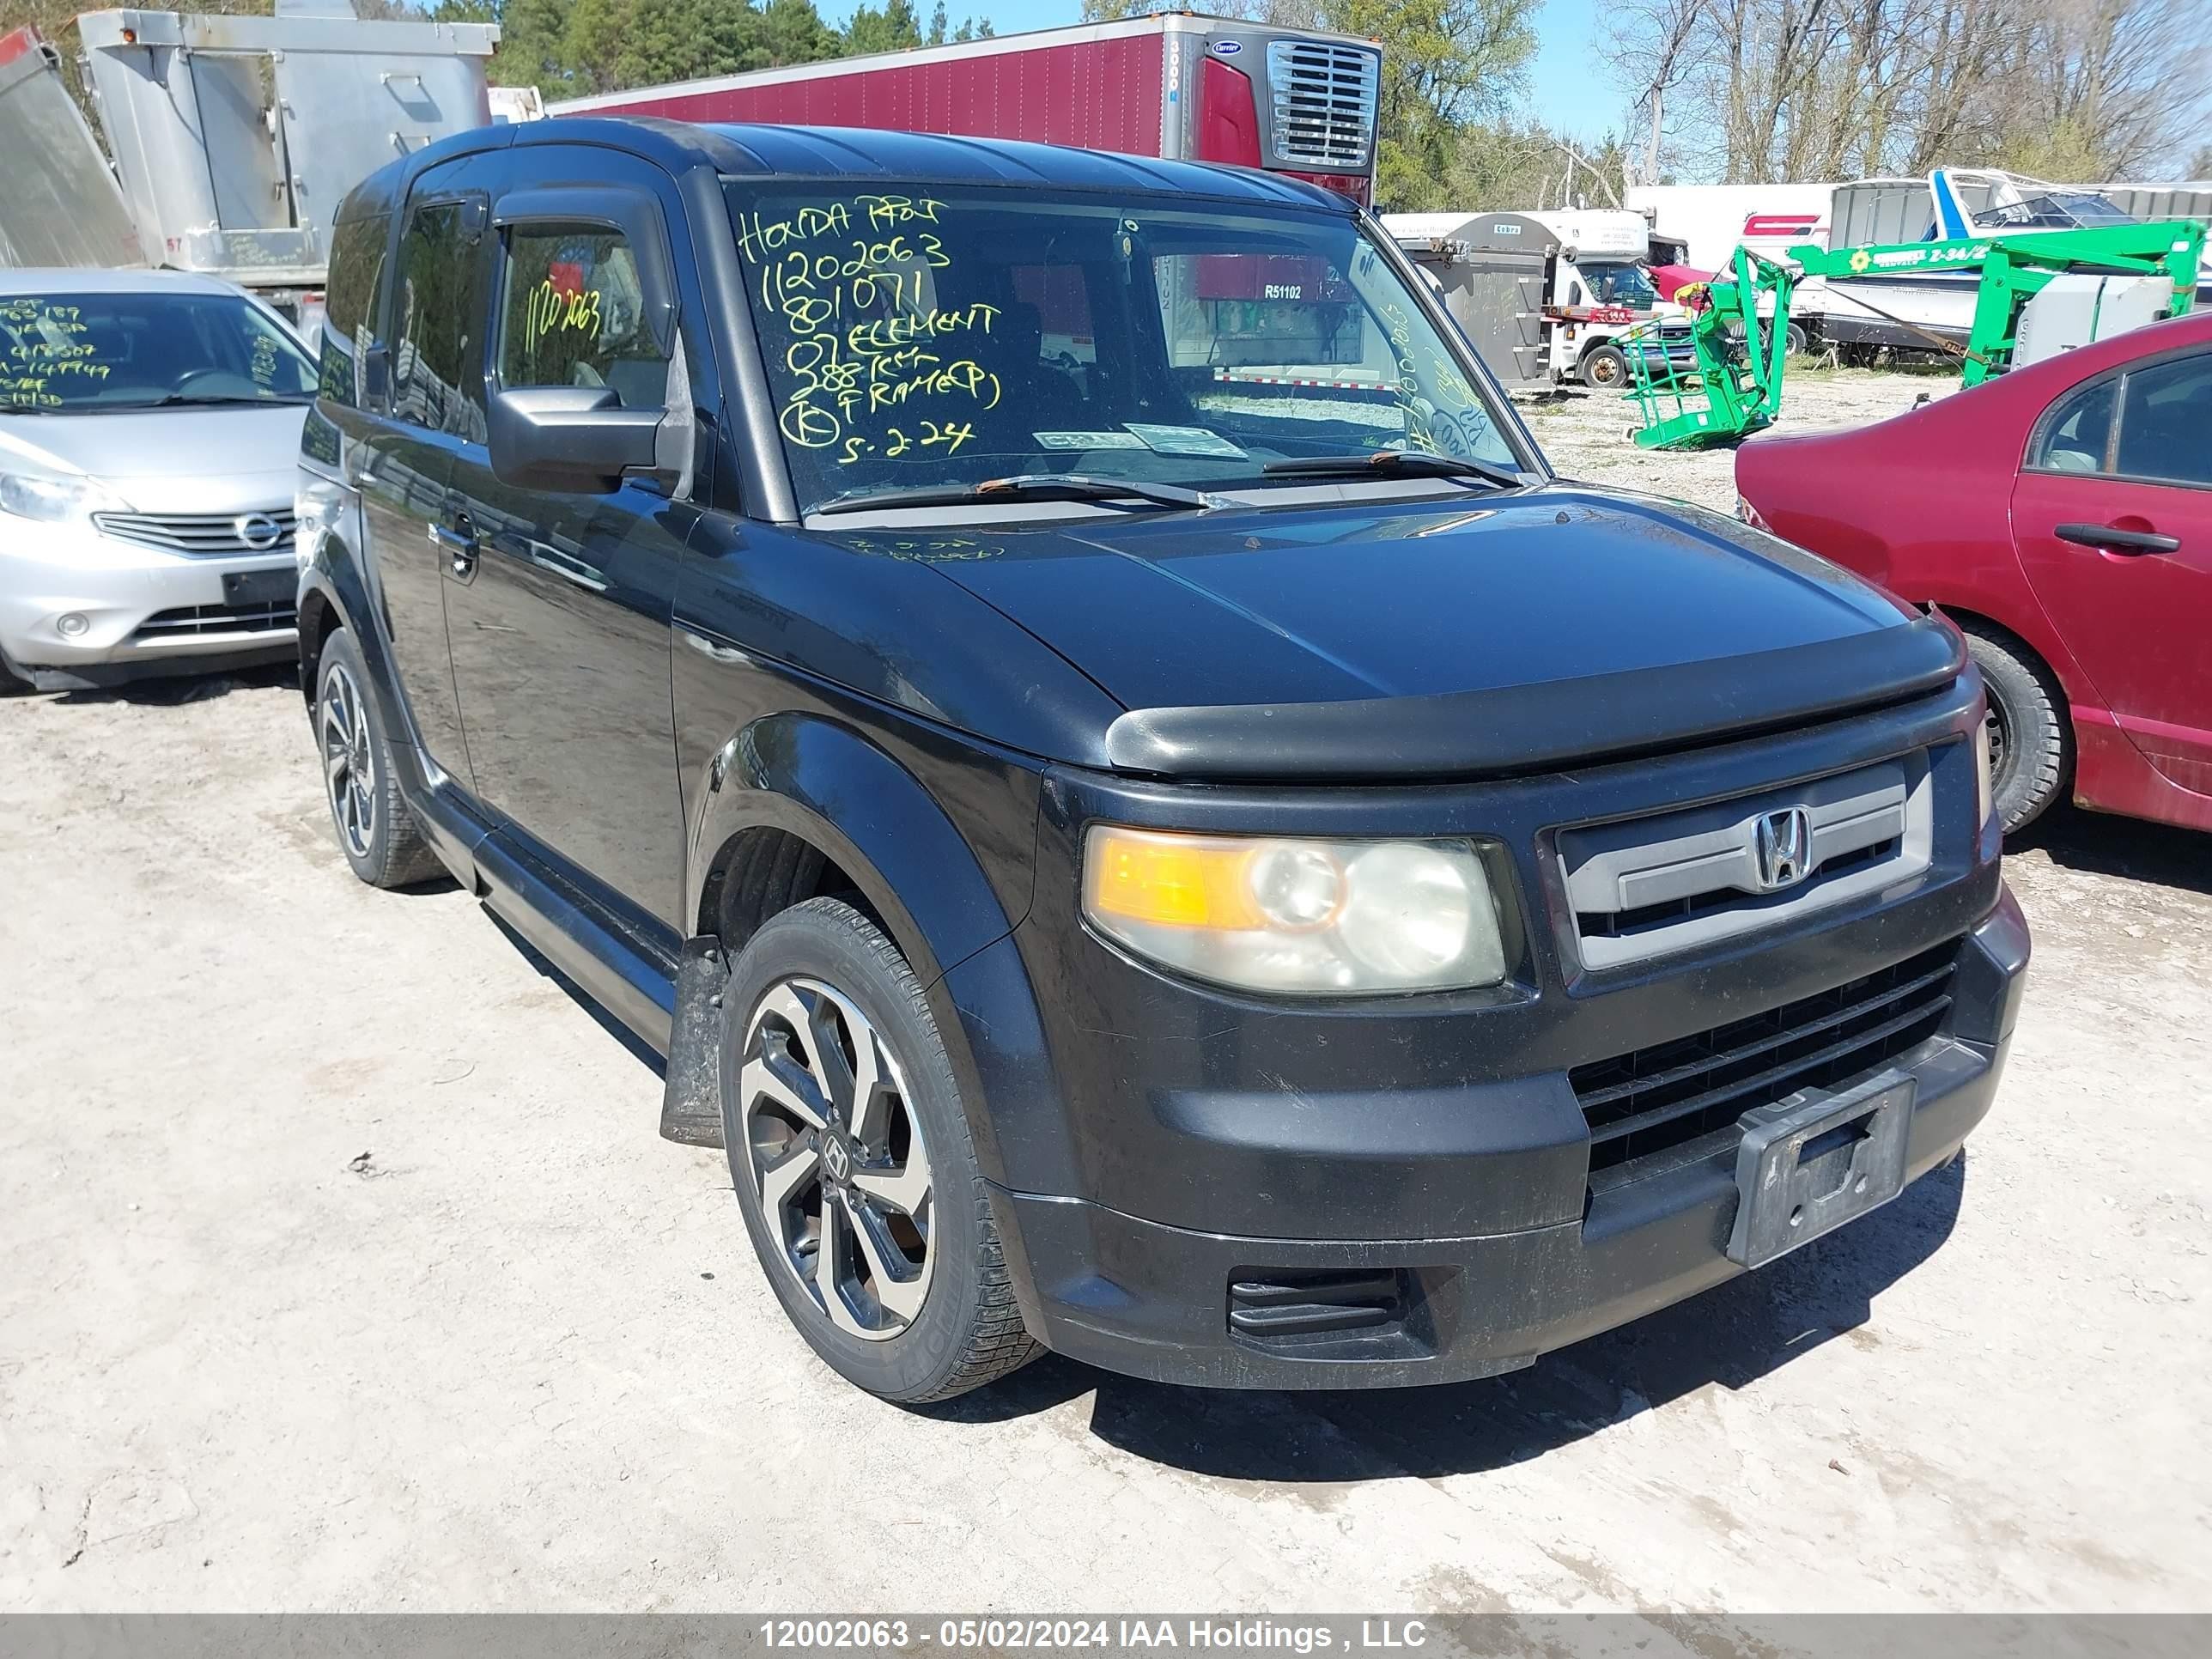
<point>1159,1301</point>
<point>138,612</point>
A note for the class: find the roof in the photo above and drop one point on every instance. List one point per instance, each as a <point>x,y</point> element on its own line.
<point>88,279</point>
<point>854,152</point>
<point>862,152</point>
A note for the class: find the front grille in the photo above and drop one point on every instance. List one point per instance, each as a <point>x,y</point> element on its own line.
<point>1689,877</point>
<point>1663,1096</point>
<point>191,621</point>
<point>1324,102</point>
<point>204,534</point>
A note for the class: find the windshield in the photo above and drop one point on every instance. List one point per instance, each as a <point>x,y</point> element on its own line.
<point>935,337</point>
<point>87,353</point>
<point>2057,210</point>
<point>1620,285</point>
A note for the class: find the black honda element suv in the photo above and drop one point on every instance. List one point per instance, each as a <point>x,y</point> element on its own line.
<point>1057,692</point>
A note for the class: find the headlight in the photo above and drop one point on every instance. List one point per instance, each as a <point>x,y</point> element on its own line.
<point>1984,778</point>
<point>1315,918</point>
<point>43,496</point>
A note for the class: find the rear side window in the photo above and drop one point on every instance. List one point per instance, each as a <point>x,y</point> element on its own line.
<point>357,249</point>
<point>572,312</point>
<point>434,352</point>
<point>2165,422</point>
<point>2077,431</point>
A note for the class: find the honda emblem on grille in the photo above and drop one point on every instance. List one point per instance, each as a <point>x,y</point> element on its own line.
<point>258,530</point>
<point>1783,844</point>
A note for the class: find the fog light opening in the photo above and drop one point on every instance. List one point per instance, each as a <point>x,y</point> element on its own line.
<point>71,624</point>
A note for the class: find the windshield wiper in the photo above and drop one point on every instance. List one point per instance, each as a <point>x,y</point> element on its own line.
<point>178,400</point>
<point>1030,486</point>
<point>1387,461</point>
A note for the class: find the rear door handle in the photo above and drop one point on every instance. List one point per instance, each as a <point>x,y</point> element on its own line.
<point>2108,536</point>
<point>459,547</point>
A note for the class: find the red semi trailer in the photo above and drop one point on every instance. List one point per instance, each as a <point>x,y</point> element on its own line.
<point>1192,88</point>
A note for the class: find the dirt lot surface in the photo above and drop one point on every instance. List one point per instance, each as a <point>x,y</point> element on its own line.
<point>343,1270</point>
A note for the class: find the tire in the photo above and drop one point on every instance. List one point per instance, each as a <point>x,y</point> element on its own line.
<point>818,985</point>
<point>2032,748</point>
<point>1604,369</point>
<point>376,830</point>
<point>1795,340</point>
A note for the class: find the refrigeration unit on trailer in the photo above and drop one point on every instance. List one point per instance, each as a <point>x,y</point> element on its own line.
<point>235,138</point>
<point>1181,87</point>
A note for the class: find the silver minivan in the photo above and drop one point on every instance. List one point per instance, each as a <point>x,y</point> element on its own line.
<point>149,436</point>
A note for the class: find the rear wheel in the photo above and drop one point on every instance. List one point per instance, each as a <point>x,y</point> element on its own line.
<point>1604,369</point>
<point>849,1151</point>
<point>376,831</point>
<point>1795,340</point>
<point>2029,744</point>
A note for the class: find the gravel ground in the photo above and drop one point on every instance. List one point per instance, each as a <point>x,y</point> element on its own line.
<point>345,1271</point>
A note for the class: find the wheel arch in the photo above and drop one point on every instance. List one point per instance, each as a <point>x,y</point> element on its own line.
<point>796,806</point>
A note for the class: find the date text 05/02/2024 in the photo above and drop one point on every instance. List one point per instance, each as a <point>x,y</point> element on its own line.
<point>1108,1635</point>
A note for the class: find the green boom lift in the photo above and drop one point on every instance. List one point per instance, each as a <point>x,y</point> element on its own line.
<point>1735,387</point>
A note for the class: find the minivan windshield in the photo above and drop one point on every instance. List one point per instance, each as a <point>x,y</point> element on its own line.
<point>930,337</point>
<point>90,354</point>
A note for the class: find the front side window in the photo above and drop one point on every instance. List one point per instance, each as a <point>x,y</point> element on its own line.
<point>67,352</point>
<point>2077,430</point>
<point>937,337</point>
<point>573,313</point>
<point>434,353</point>
<point>2165,422</point>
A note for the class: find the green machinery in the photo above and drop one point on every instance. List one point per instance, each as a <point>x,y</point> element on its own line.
<point>1740,341</point>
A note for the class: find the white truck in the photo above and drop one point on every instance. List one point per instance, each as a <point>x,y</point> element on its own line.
<point>1582,283</point>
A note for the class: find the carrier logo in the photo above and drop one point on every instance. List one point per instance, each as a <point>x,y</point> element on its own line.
<point>1784,844</point>
<point>1228,48</point>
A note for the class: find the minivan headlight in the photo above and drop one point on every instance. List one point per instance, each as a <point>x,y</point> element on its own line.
<point>46,497</point>
<point>1301,917</point>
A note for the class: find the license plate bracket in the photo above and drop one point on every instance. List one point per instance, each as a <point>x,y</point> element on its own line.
<point>245,587</point>
<point>1805,1168</point>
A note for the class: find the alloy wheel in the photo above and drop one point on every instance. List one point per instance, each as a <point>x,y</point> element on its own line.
<point>348,761</point>
<point>835,1153</point>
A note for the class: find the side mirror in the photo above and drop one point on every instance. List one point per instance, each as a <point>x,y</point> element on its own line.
<point>569,438</point>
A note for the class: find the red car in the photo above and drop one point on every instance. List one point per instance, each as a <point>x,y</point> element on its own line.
<point>2062,516</point>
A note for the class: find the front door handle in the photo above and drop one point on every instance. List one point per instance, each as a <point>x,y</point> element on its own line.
<point>2112,538</point>
<point>458,546</point>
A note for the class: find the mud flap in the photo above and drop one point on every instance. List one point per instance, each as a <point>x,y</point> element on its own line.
<point>691,1106</point>
<point>1807,1168</point>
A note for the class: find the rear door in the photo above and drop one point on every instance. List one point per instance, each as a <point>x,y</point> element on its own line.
<point>2112,518</point>
<point>424,413</point>
<point>562,619</point>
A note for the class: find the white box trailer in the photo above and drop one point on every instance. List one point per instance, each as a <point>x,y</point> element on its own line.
<point>235,138</point>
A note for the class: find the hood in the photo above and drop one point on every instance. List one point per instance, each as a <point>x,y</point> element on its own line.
<point>172,460</point>
<point>1343,602</point>
<point>1554,628</point>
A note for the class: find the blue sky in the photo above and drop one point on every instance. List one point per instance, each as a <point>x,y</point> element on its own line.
<point>1568,87</point>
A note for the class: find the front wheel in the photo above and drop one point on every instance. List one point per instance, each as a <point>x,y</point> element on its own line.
<point>1604,368</point>
<point>850,1154</point>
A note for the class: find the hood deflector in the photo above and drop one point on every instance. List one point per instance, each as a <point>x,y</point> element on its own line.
<point>1530,728</point>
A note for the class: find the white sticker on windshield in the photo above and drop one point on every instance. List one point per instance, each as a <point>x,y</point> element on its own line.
<point>1088,440</point>
<point>1185,440</point>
